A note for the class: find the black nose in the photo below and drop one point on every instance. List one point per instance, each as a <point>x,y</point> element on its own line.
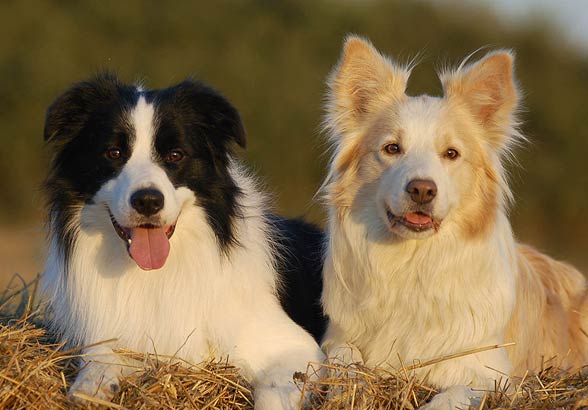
<point>147,201</point>
<point>422,191</point>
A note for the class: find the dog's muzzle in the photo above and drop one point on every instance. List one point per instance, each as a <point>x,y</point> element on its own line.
<point>147,244</point>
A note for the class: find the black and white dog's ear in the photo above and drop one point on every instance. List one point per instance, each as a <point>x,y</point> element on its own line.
<point>204,107</point>
<point>230,120</point>
<point>68,114</point>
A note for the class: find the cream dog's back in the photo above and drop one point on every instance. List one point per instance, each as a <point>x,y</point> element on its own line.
<point>550,316</point>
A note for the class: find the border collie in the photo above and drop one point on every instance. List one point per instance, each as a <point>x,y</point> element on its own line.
<point>159,239</point>
<point>421,260</point>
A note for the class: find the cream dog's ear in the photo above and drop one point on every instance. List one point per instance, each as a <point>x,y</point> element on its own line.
<point>362,82</point>
<point>488,88</point>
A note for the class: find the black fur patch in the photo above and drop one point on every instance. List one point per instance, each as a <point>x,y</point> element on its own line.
<point>300,263</point>
<point>205,126</point>
<point>80,125</point>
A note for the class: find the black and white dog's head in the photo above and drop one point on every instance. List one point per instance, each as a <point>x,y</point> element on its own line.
<point>141,156</point>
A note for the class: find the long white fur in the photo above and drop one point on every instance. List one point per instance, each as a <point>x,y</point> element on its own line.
<point>395,300</point>
<point>203,303</point>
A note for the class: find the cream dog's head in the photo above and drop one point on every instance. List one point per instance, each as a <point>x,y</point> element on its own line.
<point>409,166</point>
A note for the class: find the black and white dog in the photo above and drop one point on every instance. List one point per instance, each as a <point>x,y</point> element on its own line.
<point>159,239</point>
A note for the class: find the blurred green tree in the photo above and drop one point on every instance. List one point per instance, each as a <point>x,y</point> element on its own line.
<point>271,59</point>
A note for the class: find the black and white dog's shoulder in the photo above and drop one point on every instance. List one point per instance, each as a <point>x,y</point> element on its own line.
<point>160,239</point>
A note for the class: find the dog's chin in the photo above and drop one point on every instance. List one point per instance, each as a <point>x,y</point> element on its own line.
<point>412,225</point>
<point>146,243</point>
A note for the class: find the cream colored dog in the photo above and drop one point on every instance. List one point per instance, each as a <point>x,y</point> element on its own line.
<point>421,260</point>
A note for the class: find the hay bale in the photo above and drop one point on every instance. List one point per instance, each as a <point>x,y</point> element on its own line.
<point>33,369</point>
<point>35,372</point>
<point>358,387</point>
<point>180,385</point>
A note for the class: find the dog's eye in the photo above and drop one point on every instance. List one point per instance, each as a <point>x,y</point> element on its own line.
<point>113,153</point>
<point>174,155</point>
<point>392,149</point>
<point>451,154</point>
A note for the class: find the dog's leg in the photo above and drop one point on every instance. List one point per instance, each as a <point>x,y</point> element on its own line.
<point>455,397</point>
<point>274,383</point>
<point>342,354</point>
<point>337,347</point>
<point>482,372</point>
<point>271,351</point>
<point>100,372</point>
<point>340,360</point>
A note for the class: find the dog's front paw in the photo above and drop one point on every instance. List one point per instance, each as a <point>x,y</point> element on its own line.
<point>98,381</point>
<point>455,398</point>
<point>343,354</point>
<point>279,397</point>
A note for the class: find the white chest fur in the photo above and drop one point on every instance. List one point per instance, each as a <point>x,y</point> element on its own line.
<point>412,301</point>
<point>184,308</point>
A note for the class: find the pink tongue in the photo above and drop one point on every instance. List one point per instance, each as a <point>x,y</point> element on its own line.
<point>149,247</point>
<point>417,219</point>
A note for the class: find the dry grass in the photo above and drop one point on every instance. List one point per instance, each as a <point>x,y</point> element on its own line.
<point>35,372</point>
<point>358,387</point>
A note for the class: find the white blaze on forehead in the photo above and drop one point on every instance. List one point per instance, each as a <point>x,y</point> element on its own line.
<point>141,171</point>
<point>142,119</point>
<point>420,118</point>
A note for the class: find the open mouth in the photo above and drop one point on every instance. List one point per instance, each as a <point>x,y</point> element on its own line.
<point>147,244</point>
<point>415,221</point>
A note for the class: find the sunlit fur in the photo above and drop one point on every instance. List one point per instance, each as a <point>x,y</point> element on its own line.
<point>213,298</point>
<point>395,296</point>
